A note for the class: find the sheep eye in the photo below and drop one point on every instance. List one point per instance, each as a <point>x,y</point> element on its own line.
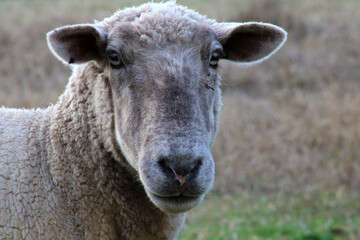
<point>114,59</point>
<point>214,60</point>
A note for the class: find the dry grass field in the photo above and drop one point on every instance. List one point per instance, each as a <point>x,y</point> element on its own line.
<point>290,126</point>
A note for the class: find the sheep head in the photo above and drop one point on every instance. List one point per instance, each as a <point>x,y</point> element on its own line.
<point>161,61</point>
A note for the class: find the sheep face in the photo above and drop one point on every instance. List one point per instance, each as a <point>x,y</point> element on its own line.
<point>167,102</point>
<point>161,62</point>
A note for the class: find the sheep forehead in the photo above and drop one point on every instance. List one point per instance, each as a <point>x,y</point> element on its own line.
<point>159,22</point>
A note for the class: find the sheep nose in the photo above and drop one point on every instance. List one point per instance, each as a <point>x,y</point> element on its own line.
<point>180,172</point>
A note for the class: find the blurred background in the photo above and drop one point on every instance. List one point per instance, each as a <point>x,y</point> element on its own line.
<point>288,150</point>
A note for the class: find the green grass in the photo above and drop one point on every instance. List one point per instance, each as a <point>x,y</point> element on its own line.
<point>309,216</point>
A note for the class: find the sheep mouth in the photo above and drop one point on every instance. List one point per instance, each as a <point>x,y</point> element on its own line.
<point>175,204</point>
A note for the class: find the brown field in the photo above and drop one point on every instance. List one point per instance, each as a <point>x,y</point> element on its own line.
<point>289,124</point>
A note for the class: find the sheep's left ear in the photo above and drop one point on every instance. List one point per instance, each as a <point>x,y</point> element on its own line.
<point>249,42</point>
<point>77,43</point>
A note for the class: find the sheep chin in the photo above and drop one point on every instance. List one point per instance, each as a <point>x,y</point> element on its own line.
<point>175,204</point>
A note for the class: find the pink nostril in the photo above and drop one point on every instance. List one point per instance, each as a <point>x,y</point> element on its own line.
<point>180,178</point>
<point>181,173</point>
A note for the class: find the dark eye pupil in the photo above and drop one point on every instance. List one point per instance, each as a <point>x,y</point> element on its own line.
<point>215,58</point>
<point>113,58</point>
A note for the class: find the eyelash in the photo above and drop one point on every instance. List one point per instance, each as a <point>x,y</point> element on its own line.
<point>207,85</point>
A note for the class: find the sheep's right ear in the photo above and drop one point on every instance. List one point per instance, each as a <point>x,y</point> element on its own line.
<point>77,43</point>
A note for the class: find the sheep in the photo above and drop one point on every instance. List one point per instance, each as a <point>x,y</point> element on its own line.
<point>125,151</point>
